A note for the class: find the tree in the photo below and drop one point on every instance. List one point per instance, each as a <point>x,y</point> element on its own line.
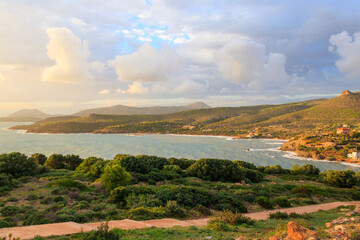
<point>216,170</point>
<point>114,176</point>
<point>55,161</point>
<point>17,165</point>
<point>343,179</point>
<point>72,161</point>
<point>38,158</point>
<point>92,167</point>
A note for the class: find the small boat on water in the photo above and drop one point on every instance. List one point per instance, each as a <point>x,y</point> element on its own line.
<point>246,149</point>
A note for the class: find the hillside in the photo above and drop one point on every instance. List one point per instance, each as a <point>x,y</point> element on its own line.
<point>202,121</point>
<point>25,115</point>
<point>155,110</point>
<point>282,121</point>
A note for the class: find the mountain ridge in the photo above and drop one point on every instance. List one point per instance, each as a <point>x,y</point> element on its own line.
<point>153,110</point>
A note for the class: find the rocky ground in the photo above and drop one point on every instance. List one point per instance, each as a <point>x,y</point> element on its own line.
<point>342,228</point>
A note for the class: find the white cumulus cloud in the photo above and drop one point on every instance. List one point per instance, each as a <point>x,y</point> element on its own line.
<point>245,61</point>
<point>147,64</point>
<point>348,48</point>
<point>137,88</point>
<point>70,55</point>
<point>105,91</point>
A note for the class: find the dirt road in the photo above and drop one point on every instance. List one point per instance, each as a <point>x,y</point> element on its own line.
<point>68,228</point>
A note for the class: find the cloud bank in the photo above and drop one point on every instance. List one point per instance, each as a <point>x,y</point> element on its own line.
<point>70,55</point>
<point>348,48</point>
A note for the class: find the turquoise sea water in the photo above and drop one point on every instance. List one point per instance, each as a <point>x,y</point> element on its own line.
<point>262,152</point>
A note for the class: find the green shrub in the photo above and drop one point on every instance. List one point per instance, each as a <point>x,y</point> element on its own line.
<point>58,199</point>
<point>17,165</point>
<point>119,195</point>
<point>282,202</point>
<point>147,213</point>
<point>36,218</point>
<point>102,233</point>
<point>72,161</point>
<point>264,202</point>
<point>184,195</point>
<point>234,218</point>
<point>342,179</point>
<point>301,190</point>
<point>216,170</point>
<point>9,211</point>
<point>142,200</point>
<point>253,175</point>
<point>68,183</point>
<point>114,176</point>
<point>182,162</point>
<point>226,201</point>
<point>174,210</point>
<point>306,169</point>
<point>245,164</point>
<point>279,215</point>
<point>173,168</point>
<point>275,169</point>
<point>5,224</point>
<point>32,196</point>
<point>38,158</point>
<point>218,225</point>
<point>55,161</point>
<point>92,167</point>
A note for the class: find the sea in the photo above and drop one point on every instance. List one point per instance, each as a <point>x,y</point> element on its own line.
<point>258,151</point>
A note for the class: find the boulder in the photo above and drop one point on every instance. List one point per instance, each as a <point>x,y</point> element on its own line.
<point>298,232</point>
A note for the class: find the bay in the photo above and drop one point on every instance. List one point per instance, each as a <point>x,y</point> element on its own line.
<point>262,151</point>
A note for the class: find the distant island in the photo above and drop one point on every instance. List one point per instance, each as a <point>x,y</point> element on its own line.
<point>25,115</point>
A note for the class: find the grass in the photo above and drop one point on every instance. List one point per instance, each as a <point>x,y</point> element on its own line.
<point>259,230</point>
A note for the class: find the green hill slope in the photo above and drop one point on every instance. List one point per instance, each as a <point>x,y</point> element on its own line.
<point>283,120</point>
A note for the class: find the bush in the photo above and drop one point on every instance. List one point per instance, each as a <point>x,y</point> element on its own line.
<point>55,161</point>
<point>174,210</point>
<point>306,169</point>
<point>234,218</point>
<point>119,195</point>
<point>9,211</point>
<point>182,162</point>
<point>282,202</point>
<point>92,167</point>
<point>142,200</point>
<point>5,224</point>
<point>184,195</point>
<point>216,170</point>
<point>114,176</point>
<point>245,164</point>
<point>264,202</point>
<point>68,184</point>
<point>253,175</point>
<point>31,197</point>
<point>132,164</point>
<point>218,225</point>
<point>38,158</point>
<point>173,168</point>
<point>301,190</point>
<point>279,215</point>
<point>103,233</point>
<point>147,213</point>
<point>342,179</point>
<point>275,169</point>
<point>226,201</point>
<point>17,165</point>
<point>72,161</point>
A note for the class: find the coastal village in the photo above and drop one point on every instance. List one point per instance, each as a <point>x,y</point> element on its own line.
<point>340,145</point>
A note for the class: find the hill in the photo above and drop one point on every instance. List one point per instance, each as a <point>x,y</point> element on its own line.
<point>155,110</point>
<point>282,121</point>
<point>25,115</point>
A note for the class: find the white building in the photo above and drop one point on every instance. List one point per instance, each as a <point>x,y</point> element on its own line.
<point>354,155</point>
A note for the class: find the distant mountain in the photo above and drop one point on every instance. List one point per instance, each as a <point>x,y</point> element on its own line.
<point>281,121</point>
<point>155,110</point>
<point>25,115</point>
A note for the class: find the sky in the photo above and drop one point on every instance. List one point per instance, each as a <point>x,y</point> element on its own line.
<point>65,56</point>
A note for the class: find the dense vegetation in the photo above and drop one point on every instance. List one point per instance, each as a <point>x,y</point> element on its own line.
<point>58,188</point>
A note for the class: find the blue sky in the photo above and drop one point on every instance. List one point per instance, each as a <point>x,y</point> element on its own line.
<point>64,56</point>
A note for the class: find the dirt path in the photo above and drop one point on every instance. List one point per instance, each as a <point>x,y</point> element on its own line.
<point>69,228</point>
